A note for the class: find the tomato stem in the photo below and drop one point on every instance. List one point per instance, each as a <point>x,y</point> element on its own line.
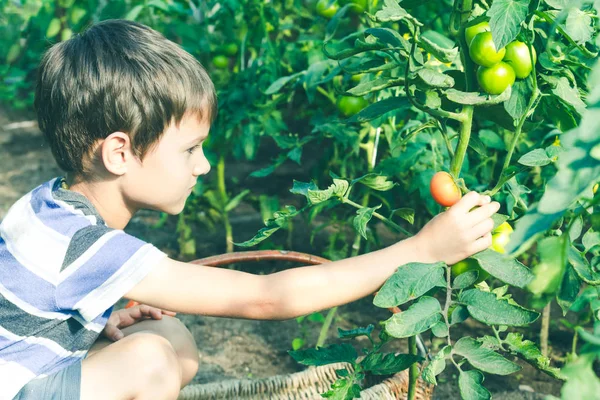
<point>413,372</point>
<point>463,141</point>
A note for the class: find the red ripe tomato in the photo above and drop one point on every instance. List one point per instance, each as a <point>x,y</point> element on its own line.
<point>443,189</point>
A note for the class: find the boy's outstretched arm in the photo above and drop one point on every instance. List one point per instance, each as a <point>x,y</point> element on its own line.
<point>451,236</point>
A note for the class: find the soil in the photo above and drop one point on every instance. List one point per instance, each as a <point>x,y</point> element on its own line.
<point>232,348</point>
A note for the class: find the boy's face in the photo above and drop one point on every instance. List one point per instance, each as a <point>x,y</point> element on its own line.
<point>168,173</point>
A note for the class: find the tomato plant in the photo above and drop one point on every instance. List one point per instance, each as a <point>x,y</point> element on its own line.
<point>422,78</point>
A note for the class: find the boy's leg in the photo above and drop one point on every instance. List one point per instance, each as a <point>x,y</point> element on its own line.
<point>154,360</point>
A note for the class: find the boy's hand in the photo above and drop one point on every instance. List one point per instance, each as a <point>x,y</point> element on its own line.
<point>461,231</point>
<point>129,316</point>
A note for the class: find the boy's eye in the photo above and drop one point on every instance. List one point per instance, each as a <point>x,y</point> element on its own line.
<point>191,149</point>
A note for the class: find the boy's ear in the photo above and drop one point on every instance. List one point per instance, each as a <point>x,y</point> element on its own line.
<point>116,152</point>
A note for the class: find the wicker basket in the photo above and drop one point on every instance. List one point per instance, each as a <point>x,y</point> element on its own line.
<point>307,384</point>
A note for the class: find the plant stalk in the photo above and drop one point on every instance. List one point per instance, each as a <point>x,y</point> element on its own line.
<point>224,201</point>
<point>545,330</point>
<point>413,371</point>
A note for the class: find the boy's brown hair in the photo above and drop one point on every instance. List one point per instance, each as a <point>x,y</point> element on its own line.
<point>118,75</point>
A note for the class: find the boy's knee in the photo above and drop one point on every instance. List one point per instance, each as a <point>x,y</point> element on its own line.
<point>158,362</point>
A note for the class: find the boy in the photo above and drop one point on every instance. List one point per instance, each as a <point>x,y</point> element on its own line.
<point>125,112</point>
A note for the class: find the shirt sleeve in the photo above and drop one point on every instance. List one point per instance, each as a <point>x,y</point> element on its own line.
<point>101,266</point>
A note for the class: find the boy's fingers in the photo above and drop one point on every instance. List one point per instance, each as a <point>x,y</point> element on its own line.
<point>112,332</point>
<point>482,228</point>
<point>482,213</point>
<point>482,243</point>
<point>467,202</point>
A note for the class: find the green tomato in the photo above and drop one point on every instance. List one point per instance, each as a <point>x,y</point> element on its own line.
<point>220,62</point>
<point>230,49</point>
<point>360,6</point>
<point>517,56</point>
<point>495,79</point>
<point>351,105</point>
<point>327,10</point>
<point>469,264</point>
<point>357,77</point>
<point>501,237</point>
<point>472,31</point>
<point>483,50</point>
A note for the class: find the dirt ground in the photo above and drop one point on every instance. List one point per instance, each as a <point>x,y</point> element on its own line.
<point>229,348</point>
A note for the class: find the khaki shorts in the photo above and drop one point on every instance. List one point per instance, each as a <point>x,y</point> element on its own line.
<point>62,385</point>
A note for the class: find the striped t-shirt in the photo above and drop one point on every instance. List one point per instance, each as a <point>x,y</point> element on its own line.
<point>61,271</point>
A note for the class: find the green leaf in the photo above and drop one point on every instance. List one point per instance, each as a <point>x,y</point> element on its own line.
<point>440,329</point>
<point>568,95</point>
<point>343,389</point>
<point>469,383</point>
<point>508,270</point>
<point>484,358</point>
<point>389,37</point>
<point>535,158</point>
<point>443,54</point>
<point>380,108</point>
<point>582,267</point>
<point>391,11</point>
<point>569,289</point>
<point>409,282</point>
<point>53,28</point>
<point>233,203</point>
<point>590,239</point>
<point>549,271</point>
<point>477,99</point>
<point>487,308</point>
<point>579,26</point>
<point>419,317</point>
<point>376,182</point>
<point>528,351</point>
<point>374,86</point>
<point>558,4</point>
<point>303,188</point>
<point>272,225</point>
<point>334,353</point>
<point>460,314</point>
<point>280,83</point>
<point>516,106</point>
<point>435,79</point>
<point>465,279</point>
<point>582,381</point>
<point>353,333</point>
<point>134,13</point>
<point>407,214</point>
<point>506,17</point>
<point>363,216</point>
<point>492,139</point>
<point>336,190</point>
<point>386,364</point>
<point>436,366</point>
<point>529,227</point>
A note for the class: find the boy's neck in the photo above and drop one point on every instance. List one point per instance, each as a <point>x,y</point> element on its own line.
<point>107,199</point>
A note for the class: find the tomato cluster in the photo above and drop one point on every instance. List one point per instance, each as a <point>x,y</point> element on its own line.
<point>498,68</point>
